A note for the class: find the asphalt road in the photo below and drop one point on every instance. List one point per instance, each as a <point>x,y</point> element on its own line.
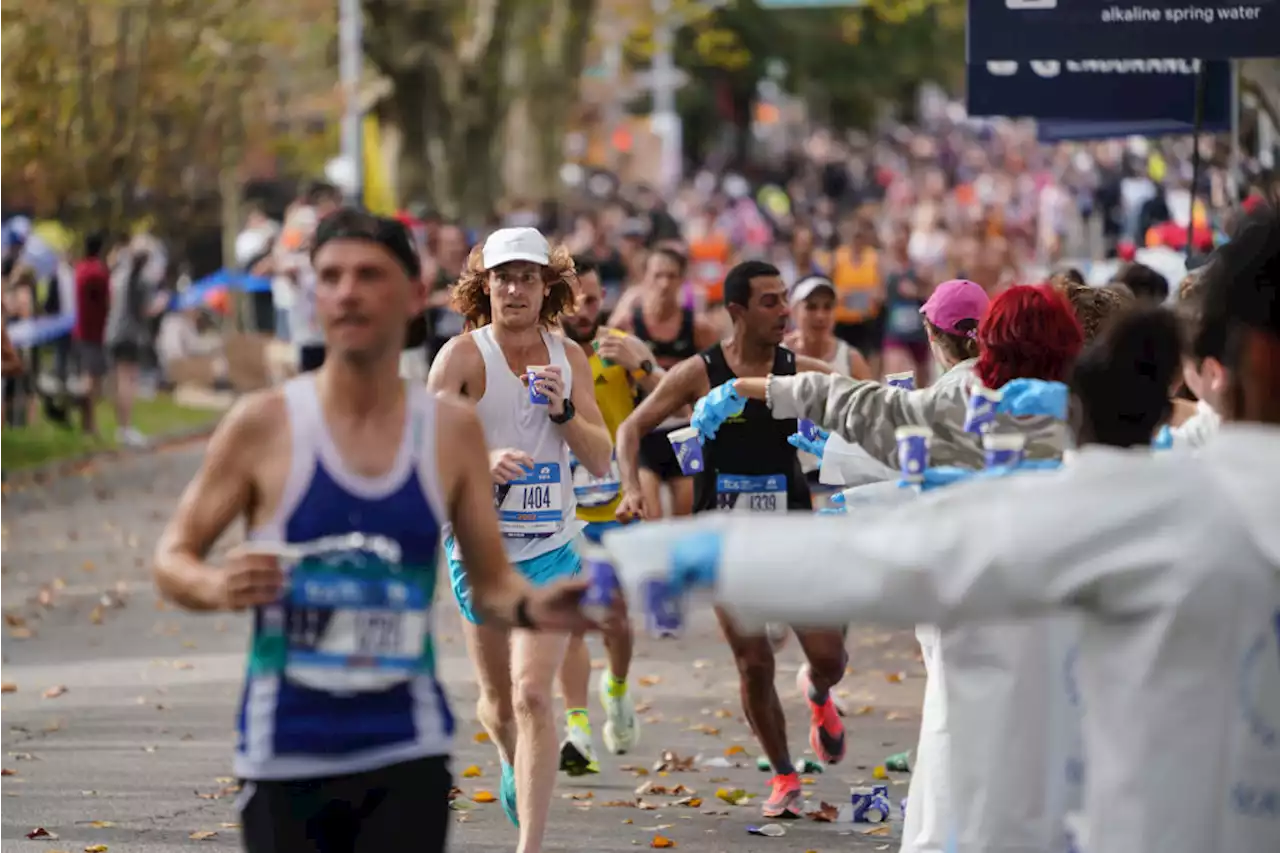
<point>118,710</point>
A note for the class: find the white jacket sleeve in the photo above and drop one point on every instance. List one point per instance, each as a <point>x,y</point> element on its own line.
<point>987,550</point>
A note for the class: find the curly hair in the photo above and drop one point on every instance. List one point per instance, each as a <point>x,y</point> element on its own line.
<point>471,300</point>
<point>1029,332</point>
<point>1094,306</point>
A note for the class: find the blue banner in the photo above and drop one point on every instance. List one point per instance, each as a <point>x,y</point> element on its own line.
<point>1084,29</point>
<point>1132,90</point>
<point>1065,130</point>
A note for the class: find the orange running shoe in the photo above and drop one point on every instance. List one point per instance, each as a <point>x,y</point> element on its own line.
<point>826,729</point>
<point>785,797</point>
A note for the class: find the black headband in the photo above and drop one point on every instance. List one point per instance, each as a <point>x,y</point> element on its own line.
<point>349,223</point>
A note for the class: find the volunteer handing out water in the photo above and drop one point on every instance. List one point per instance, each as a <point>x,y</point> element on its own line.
<point>1172,561</point>
<point>1027,332</point>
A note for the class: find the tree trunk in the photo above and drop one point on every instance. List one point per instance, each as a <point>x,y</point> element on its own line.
<point>445,63</point>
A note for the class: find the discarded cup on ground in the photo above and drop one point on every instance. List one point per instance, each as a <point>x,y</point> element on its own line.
<point>869,806</point>
<point>913,451</point>
<point>906,379</point>
<point>980,409</point>
<point>1004,448</point>
<point>688,449</point>
<point>535,396</point>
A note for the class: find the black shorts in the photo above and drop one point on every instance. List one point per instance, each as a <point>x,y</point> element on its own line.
<point>867,337</point>
<point>310,357</point>
<point>126,352</point>
<point>657,454</point>
<point>401,807</point>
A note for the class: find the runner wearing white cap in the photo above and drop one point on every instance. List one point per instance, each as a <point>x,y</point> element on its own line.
<point>535,399</point>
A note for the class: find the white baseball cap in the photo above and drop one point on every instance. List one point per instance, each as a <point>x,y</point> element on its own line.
<point>515,244</point>
<point>805,287</point>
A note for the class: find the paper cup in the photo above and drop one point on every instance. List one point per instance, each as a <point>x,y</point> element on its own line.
<point>1003,449</point>
<point>535,397</point>
<point>603,583</point>
<point>913,451</point>
<point>980,410</point>
<point>906,379</point>
<point>808,429</point>
<point>687,448</point>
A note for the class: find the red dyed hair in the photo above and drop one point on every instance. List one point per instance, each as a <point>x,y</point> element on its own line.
<point>1028,332</point>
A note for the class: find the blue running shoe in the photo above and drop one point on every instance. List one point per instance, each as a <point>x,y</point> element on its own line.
<point>507,792</point>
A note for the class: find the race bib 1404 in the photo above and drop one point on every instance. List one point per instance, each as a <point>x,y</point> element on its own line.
<point>742,493</point>
<point>532,506</point>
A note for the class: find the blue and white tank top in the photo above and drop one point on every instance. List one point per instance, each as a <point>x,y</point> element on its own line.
<point>538,513</point>
<point>341,676</point>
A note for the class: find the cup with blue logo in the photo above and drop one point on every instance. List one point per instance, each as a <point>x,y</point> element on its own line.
<point>808,429</point>
<point>688,449</point>
<point>534,373</point>
<point>603,586</point>
<point>913,451</point>
<point>663,609</point>
<point>980,410</point>
<point>906,379</point>
<point>1004,449</point>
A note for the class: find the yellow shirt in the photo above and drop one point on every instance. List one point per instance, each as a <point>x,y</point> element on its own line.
<point>598,497</point>
<point>857,282</point>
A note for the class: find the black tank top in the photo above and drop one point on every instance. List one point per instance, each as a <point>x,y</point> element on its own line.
<point>749,454</point>
<point>667,353</point>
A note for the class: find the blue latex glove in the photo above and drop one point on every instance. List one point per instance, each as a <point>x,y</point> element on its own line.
<point>1163,439</point>
<point>713,410</point>
<point>935,478</point>
<point>838,499</point>
<point>817,447</point>
<point>695,560</point>
<point>833,510</point>
<point>1026,397</point>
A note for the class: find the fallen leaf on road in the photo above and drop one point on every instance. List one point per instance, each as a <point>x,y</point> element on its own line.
<point>736,749</point>
<point>714,813</point>
<point>21,632</point>
<point>808,780</point>
<point>732,796</point>
<point>8,687</point>
<point>661,842</point>
<point>897,715</point>
<point>96,614</point>
<point>7,772</point>
<point>825,813</point>
<point>724,713</point>
<point>672,762</point>
<point>483,797</point>
<point>644,707</point>
<point>701,663</point>
<point>894,677</point>
<point>645,807</point>
<point>649,680</point>
<point>96,848</point>
<point>182,664</point>
<point>480,737</point>
<point>472,772</point>
<point>652,788</point>
<point>454,793</point>
<point>87,566</point>
<point>229,825</point>
<point>102,824</point>
<point>55,691</point>
<point>41,832</point>
<point>879,772</point>
<point>705,729</point>
<point>877,830</point>
<point>203,835</point>
<point>863,710</point>
<point>581,795</point>
<point>618,804</point>
<point>691,802</point>
<point>631,768</point>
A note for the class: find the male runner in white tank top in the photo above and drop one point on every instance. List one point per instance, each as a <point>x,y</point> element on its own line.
<point>349,449</point>
<point>513,292</point>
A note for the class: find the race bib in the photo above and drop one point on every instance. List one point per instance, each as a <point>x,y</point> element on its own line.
<point>592,491</point>
<point>739,493</point>
<point>351,623</point>
<point>856,300</point>
<point>532,506</point>
<point>904,320</point>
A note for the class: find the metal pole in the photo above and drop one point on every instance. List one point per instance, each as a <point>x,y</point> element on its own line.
<point>1236,170</point>
<point>1195,157</point>
<point>666,120</point>
<point>350,60</point>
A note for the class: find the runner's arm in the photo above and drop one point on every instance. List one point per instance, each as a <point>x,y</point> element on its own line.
<point>462,460</point>
<point>805,364</point>
<point>586,433</point>
<point>858,367</point>
<point>222,489</point>
<point>705,334</point>
<point>621,316</point>
<point>680,387</point>
<point>448,373</point>
<point>649,381</point>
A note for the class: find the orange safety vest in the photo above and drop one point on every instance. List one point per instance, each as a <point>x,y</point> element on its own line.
<point>708,265</point>
<point>857,282</point>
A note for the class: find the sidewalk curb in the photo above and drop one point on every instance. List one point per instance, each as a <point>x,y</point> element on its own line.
<point>59,468</point>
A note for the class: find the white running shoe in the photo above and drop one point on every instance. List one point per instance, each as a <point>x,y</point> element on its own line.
<point>577,753</point>
<point>621,730</point>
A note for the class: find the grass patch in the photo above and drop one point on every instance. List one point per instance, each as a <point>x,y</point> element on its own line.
<point>43,442</point>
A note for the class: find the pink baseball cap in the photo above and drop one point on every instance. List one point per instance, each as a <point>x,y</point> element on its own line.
<point>954,301</point>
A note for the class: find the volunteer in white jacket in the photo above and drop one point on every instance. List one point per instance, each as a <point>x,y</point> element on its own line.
<point>1172,560</point>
